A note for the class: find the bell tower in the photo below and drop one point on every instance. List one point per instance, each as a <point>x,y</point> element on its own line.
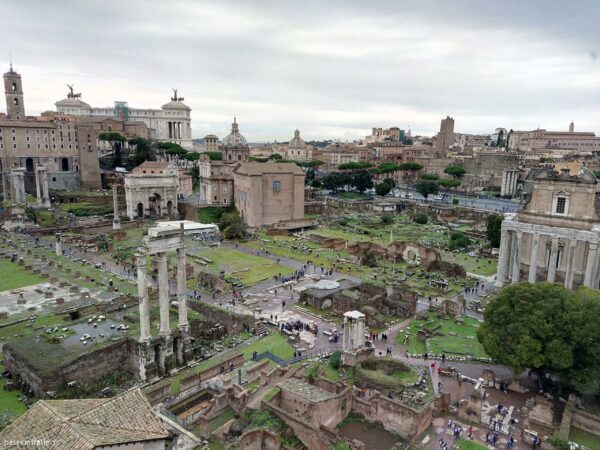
<point>13,91</point>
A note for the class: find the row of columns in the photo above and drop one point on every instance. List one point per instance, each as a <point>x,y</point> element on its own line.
<point>509,182</point>
<point>509,262</point>
<point>41,186</point>
<point>163,294</point>
<point>17,186</point>
<point>175,130</point>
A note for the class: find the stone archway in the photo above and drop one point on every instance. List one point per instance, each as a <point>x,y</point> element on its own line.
<point>29,165</point>
<point>64,165</point>
<point>154,206</point>
<point>159,358</point>
<point>140,210</point>
<point>178,350</point>
<point>170,208</point>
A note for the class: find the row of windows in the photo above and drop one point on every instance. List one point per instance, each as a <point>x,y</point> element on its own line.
<point>39,146</point>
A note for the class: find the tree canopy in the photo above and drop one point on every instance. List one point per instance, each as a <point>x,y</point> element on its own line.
<point>275,156</point>
<point>430,176</point>
<point>214,156</point>
<point>362,180</point>
<point>411,166</point>
<point>459,240</point>
<point>383,188</point>
<point>452,183</point>
<point>355,165</point>
<point>493,230</point>
<point>455,171</point>
<point>426,187</point>
<point>547,328</point>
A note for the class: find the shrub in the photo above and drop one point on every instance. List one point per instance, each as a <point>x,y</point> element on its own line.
<point>335,360</point>
<point>459,240</point>
<point>455,201</point>
<point>387,219</point>
<point>421,218</point>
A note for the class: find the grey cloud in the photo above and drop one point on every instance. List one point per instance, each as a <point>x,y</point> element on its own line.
<point>336,67</point>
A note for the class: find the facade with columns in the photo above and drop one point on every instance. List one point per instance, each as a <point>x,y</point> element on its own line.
<point>555,237</point>
<point>171,123</point>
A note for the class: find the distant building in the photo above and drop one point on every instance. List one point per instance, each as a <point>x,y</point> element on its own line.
<point>211,143</point>
<point>65,145</point>
<point>216,176</point>
<point>392,134</point>
<point>570,141</point>
<point>445,138</point>
<point>170,123</point>
<point>555,237</point>
<point>126,421</point>
<point>268,193</point>
<point>298,150</point>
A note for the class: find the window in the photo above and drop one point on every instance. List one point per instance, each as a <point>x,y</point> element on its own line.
<point>276,186</point>
<point>14,87</point>
<point>561,203</point>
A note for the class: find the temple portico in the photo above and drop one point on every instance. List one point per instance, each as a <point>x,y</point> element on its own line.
<point>555,237</point>
<point>161,353</point>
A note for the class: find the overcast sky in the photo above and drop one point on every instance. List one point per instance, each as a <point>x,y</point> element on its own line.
<point>333,69</point>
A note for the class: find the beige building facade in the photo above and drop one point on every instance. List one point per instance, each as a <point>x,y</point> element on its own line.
<point>65,145</point>
<point>268,193</point>
<point>555,237</point>
<point>554,140</point>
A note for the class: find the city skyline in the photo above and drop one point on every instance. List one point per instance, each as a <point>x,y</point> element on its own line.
<point>279,67</point>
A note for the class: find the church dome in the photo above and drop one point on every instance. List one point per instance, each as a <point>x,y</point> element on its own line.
<point>234,139</point>
<point>297,141</point>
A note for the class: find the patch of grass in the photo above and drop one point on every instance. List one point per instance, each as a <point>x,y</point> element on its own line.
<point>15,276</point>
<point>276,343</point>
<point>465,444</point>
<point>463,343</point>
<point>239,266</point>
<point>584,438</point>
<point>221,419</point>
<point>9,400</point>
<point>212,214</point>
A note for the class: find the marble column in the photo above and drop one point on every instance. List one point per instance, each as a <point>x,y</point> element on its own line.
<point>17,178</point>
<point>142,285</point>
<point>116,218</point>
<point>553,261</point>
<point>503,258</point>
<point>533,257</point>
<point>38,187</point>
<point>182,324</point>
<point>58,245</point>
<point>516,257</point>
<point>570,264</point>
<point>590,264</point>
<point>163,294</point>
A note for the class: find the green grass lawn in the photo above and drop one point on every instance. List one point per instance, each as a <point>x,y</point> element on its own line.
<point>465,444</point>
<point>479,266</point>
<point>9,400</point>
<point>584,438</point>
<point>15,276</point>
<point>464,343</point>
<point>275,342</point>
<point>248,269</point>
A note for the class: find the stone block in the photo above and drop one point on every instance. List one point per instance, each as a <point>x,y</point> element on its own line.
<point>60,301</point>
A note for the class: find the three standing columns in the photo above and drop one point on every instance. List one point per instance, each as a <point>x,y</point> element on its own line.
<point>163,294</point>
